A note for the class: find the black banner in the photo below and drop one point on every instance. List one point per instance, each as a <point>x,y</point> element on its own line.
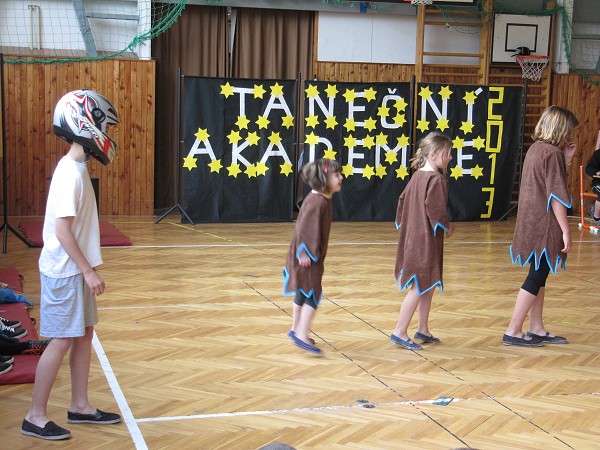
<point>484,125</point>
<point>238,162</point>
<point>366,127</point>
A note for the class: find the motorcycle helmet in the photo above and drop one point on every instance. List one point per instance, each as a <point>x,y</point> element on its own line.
<point>83,116</point>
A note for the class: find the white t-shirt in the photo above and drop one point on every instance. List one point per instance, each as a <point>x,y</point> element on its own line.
<point>71,195</point>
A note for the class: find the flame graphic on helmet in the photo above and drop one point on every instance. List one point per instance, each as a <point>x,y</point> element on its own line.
<point>86,105</point>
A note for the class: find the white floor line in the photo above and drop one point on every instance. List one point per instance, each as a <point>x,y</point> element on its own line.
<point>134,430</point>
<point>284,411</point>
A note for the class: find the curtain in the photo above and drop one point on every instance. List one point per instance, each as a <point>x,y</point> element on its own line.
<point>198,43</point>
<point>272,43</point>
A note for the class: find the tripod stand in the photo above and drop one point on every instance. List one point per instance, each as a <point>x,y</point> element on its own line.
<point>6,227</point>
<point>178,176</point>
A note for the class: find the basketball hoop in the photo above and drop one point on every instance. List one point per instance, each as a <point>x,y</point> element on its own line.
<point>420,2</point>
<point>533,66</point>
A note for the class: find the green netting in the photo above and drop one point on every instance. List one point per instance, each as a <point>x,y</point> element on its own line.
<point>50,31</point>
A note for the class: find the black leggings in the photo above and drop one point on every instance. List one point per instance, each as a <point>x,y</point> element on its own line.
<point>300,299</point>
<point>536,279</point>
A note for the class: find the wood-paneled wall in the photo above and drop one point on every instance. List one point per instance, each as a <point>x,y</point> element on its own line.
<point>583,98</point>
<point>32,149</point>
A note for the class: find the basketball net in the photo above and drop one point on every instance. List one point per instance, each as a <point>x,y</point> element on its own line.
<point>420,2</point>
<point>533,66</point>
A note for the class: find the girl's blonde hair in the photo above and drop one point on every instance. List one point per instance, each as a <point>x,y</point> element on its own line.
<point>432,143</point>
<point>315,173</point>
<point>555,126</point>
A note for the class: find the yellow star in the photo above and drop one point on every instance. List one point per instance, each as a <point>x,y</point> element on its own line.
<point>286,168</point>
<point>368,172</point>
<point>276,90</point>
<point>350,124</point>
<point>458,143</point>
<point>368,141</point>
<point>401,172</point>
<point>215,165</point>
<point>381,171</point>
<point>261,168</point>
<point>347,170</point>
<point>226,90</point>
<point>423,125</point>
<point>425,92</point>
<point>469,97</point>
<point>287,121</point>
<point>234,137</point>
<point>242,122</point>
<point>381,139</point>
<point>274,138</point>
<point>311,139</point>
<point>202,134</point>
<point>350,141</point>
<point>445,92</point>
<point>349,95</point>
<point>400,105</point>
<point>370,124</point>
<point>311,91</point>
<point>466,127</point>
<point>189,162</point>
<point>329,154</point>
<point>258,92</point>
<point>234,170</point>
<point>262,122</point>
<point>250,171</point>
<point>400,119</point>
<point>442,124</point>
<point>403,141</point>
<point>456,172</point>
<point>477,171</point>
<point>312,121</point>
<point>253,138</point>
<point>370,94</point>
<point>331,90</point>
<point>383,111</point>
<point>391,157</point>
<point>331,122</point>
<point>479,143</point>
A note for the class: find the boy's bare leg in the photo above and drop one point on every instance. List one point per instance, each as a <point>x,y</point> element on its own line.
<point>45,374</point>
<point>80,358</point>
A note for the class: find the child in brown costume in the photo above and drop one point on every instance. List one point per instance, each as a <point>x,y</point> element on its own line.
<point>422,219</point>
<point>304,267</point>
<point>542,238</point>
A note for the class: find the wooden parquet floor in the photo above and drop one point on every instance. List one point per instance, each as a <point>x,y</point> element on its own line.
<point>192,347</point>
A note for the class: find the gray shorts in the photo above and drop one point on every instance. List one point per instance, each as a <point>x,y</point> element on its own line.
<point>68,307</point>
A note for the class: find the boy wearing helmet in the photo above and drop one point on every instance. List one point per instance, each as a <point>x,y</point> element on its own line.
<point>68,261</point>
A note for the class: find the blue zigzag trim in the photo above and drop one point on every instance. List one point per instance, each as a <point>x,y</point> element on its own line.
<point>552,196</point>
<point>439,225</point>
<point>311,294</point>
<point>416,284</point>
<point>544,254</point>
<point>304,247</point>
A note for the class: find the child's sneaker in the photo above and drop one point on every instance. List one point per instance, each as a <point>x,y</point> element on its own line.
<point>6,359</point>
<point>10,323</point>
<point>35,347</point>
<point>12,332</point>
<point>5,367</point>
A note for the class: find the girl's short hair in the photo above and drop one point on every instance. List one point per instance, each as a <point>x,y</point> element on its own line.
<point>315,173</point>
<point>555,126</point>
<point>432,143</point>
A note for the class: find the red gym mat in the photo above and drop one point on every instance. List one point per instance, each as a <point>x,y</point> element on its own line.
<point>23,367</point>
<point>110,236</point>
<point>12,277</point>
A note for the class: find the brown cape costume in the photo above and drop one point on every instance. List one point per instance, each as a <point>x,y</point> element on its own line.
<point>421,219</point>
<point>537,232</point>
<point>311,235</point>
